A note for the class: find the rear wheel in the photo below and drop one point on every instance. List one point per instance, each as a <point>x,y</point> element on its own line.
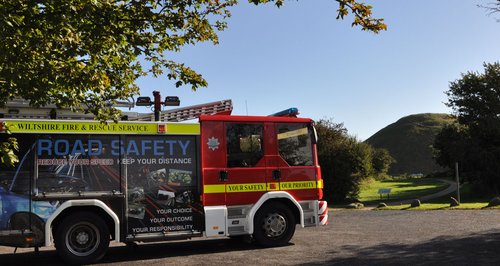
<point>274,225</point>
<point>82,238</point>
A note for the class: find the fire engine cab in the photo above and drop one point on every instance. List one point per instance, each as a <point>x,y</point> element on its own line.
<point>80,184</point>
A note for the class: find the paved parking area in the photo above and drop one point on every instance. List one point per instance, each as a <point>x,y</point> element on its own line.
<point>448,237</point>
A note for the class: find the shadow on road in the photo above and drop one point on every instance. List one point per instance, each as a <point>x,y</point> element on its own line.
<point>144,251</point>
<point>476,249</point>
<point>175,249</point>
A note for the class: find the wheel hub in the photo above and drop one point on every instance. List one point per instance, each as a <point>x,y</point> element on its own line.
<point>82,238</point>
<point>274,225</point>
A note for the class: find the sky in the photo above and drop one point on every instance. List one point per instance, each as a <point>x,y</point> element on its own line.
<point>299,55</point>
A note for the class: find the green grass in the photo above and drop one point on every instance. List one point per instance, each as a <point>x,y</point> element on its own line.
<point>440,206</point>
<point>473,197</point>
<point>401,189</point>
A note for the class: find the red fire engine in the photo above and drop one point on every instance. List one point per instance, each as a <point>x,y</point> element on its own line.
<point>81,184</point>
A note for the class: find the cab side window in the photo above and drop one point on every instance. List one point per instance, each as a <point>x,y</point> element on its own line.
<point>244,144</point>
<point>295,144</point>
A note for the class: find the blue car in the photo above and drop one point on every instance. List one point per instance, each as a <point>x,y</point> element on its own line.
<point>19,215</point>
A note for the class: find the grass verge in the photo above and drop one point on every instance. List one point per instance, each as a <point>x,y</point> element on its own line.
<point>473,197</point>
<point>401,189</point>
<point>440,206</point>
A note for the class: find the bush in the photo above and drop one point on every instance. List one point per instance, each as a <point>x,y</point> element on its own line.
<point>345,162</point>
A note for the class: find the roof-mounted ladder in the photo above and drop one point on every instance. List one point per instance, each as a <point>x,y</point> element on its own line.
<point>224,107</point>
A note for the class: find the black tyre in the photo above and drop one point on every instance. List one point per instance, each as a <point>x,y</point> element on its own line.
<point>274,225</point>
<point>82,238</point>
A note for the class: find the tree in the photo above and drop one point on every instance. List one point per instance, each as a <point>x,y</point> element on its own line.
<point>362,157</point>
<point>450,145</point>
<point>334,161</point>
<point>86,55</point>
<point>492,7</point>
<point>7,155</point>
<point>345,161</point>
<point>381,161</point>
<point>475,142</point>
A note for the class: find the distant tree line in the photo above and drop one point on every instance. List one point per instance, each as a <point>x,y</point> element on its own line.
<point>474,141</point>
<point>346,162</point>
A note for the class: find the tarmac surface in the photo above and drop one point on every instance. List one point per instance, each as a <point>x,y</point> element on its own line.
<point>353,237</point>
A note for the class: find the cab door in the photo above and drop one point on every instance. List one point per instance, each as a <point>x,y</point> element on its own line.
<point>297,164</point>
<point>233,162</point>
<point>213,163</point>
<point>245,163</point>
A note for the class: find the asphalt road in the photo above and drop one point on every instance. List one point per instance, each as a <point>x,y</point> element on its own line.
<point>448,237</point>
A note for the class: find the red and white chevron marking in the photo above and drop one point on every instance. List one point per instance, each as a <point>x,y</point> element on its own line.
<point>323,212</point>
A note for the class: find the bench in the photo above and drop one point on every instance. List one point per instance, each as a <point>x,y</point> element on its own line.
<point>384,191</point>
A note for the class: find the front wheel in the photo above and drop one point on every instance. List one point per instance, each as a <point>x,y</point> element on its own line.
<point>274,225</point>
<point>82,238</point>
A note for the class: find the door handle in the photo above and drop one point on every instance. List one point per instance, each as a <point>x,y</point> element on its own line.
<point>276,175</point>
<point>223,176</point>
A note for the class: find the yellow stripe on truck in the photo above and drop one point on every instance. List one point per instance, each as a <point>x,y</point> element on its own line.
<point>298,185</point>
<point>253,187</point>
<point>256,187</point>
<point>193,129</point>
<point>320,183</point>
<point>26,126</point>
<point>214,188</point>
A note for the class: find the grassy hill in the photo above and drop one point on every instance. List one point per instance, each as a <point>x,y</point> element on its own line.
<point>409,141</point>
